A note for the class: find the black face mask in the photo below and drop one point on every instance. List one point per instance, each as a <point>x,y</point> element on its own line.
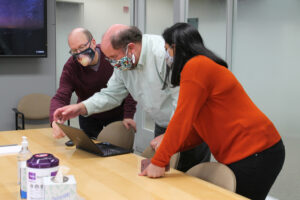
<point>89,52</point>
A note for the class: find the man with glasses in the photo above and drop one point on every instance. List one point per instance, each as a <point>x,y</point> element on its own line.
<point>141,70</point>
<point>87,72</point>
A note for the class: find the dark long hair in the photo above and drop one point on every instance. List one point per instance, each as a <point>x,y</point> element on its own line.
<point>188,43</point>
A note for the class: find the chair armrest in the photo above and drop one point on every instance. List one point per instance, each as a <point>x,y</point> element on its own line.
<point>17,114</point>
<point>16,111</point>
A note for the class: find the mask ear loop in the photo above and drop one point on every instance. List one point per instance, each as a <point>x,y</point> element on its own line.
<point>132,57</point>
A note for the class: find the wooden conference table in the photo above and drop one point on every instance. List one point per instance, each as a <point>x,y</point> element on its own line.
<point>104,178</point>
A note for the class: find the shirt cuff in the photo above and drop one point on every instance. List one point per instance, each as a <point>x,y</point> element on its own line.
<point>88,106</point>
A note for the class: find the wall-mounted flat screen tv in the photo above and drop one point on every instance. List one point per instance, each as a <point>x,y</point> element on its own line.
<point>23,28</point>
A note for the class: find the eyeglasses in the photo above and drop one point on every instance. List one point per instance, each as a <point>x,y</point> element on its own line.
<point>80,49</point>
<point>113,60</point>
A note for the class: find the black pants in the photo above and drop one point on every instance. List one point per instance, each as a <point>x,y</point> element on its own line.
<point>92,126</point>
<point>190,158</point>
<point>256,174</point>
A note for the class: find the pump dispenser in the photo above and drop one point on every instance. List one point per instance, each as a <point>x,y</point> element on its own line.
<point>23,156</point>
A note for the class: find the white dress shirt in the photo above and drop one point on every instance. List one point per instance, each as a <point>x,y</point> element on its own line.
<point>144,83</point>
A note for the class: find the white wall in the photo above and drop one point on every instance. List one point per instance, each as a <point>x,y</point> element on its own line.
<point>99,15</point>
<point>266,58</point>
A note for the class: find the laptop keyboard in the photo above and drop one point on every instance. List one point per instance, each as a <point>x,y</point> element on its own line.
<point>107,150</point>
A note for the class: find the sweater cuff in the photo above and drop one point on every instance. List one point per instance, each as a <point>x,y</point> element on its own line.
<point>128,115</point>
<point>158,163</point>
<point>161,157</point>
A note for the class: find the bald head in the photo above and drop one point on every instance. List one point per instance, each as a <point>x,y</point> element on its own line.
<point>112,32</point>
<point>79,35</point>
<point>117,37</point>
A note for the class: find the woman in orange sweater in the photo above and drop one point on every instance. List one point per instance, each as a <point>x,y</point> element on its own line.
<point>213,107</point>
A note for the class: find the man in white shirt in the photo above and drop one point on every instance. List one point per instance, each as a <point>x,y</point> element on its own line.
<point>140,69</point>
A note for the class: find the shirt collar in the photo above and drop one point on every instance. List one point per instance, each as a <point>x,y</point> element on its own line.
<point>143,54</point>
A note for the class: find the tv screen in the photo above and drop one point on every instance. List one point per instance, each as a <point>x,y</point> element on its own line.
<point>23,28</point>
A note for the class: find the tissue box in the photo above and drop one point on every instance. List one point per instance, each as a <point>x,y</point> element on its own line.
<point>60,191</point>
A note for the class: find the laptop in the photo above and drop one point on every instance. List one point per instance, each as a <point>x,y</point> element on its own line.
<point>82,141</point>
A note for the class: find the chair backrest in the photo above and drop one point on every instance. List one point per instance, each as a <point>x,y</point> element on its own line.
<point>216,173</point>
<point>117,134</point>
<point>35,106</point>
<point>149,153</point>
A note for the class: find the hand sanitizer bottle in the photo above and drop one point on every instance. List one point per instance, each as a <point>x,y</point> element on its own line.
<point>23,156</point>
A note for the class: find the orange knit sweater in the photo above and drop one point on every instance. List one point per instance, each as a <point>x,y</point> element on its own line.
<point>213,107</point>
